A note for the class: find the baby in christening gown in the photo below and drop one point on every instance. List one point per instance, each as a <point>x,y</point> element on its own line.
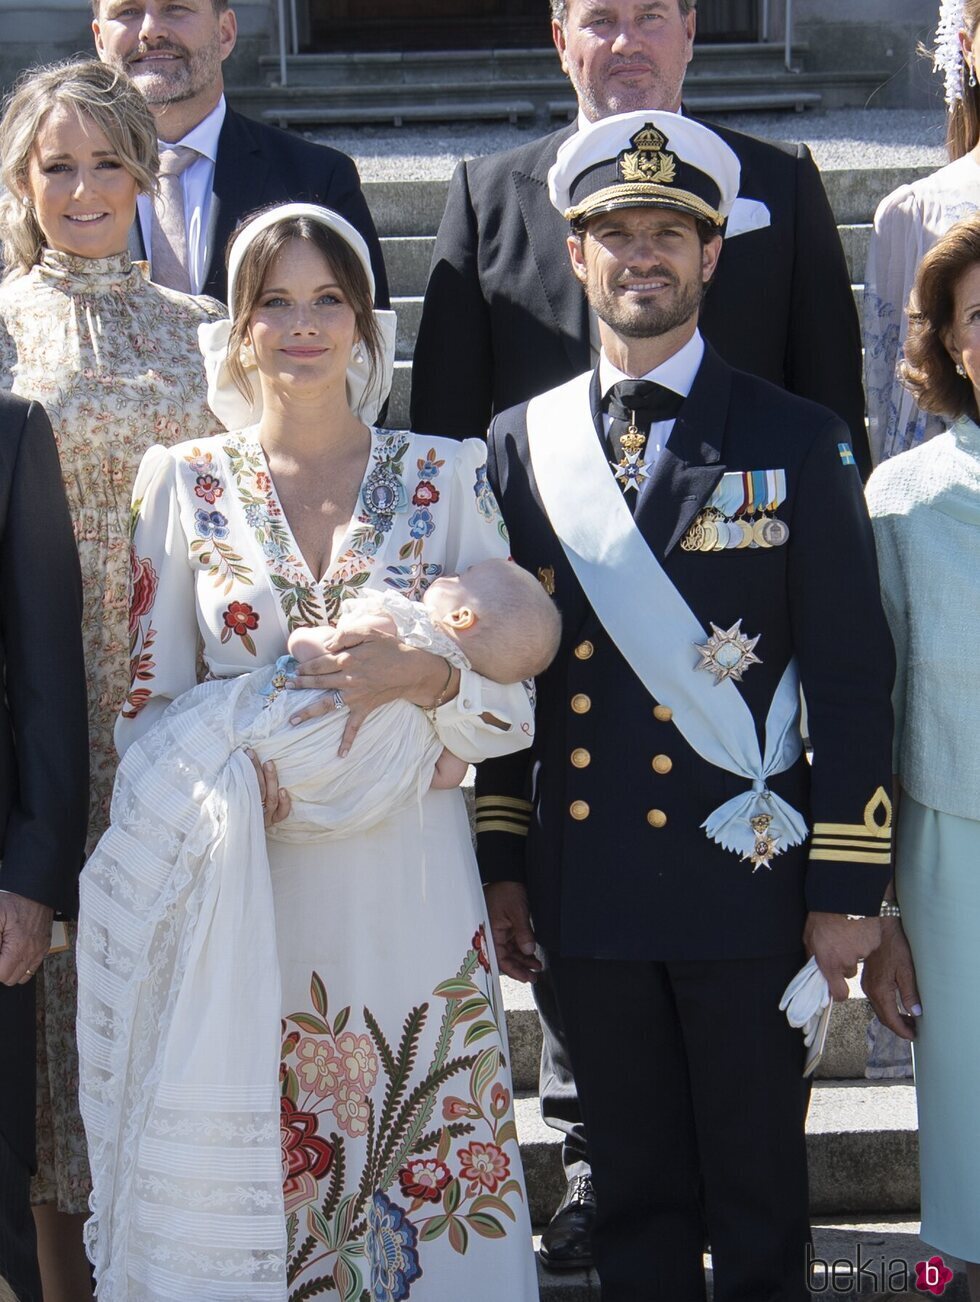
<point>495,618</point>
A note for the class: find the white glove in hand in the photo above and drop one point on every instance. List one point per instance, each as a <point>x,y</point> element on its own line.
<point>805,998</point>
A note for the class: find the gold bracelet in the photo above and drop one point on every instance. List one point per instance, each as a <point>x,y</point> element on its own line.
<point>441,698</point>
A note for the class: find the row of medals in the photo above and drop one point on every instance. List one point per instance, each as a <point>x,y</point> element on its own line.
<point>714,532</point>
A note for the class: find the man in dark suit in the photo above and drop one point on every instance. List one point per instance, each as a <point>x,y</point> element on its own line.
<point>699,528</point>
<point>43,784</point>
<point>504,319</point>
<point>216,165</point>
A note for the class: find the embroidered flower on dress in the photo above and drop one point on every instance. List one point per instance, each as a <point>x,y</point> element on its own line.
<point>319,1066</point>
<point>144,585</point>
<point>424,1179</point>
<point>479,943</point>
<point>429,467</point>
<point>210,524</point>
<point>351,1111</point>
<point>360,1062</point>
<point>209,488</point>
<point>392,1249</point>
<point>421,523</point>
<point>306,1158</point>
<point>241,620</point>
<point>425,495</point>
<point>485,500</point>
<point>483,1164</point>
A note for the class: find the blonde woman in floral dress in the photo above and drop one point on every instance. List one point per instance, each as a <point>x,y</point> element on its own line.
<point>295,1071</point>
<point>114,360</point>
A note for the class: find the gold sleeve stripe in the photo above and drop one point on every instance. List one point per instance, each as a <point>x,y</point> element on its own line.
<point>499,825</point>
<point>857,843</point>
<point>852,829</point>
<point>882,856</point>
<point>504,802</point>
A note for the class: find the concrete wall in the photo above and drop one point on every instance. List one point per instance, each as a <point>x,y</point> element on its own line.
<point>871,34</point>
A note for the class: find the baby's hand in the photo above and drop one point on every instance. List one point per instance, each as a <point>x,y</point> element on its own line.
<point>308,643</point>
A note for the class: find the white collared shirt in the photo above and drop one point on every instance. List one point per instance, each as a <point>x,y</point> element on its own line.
<point>676,373</point>
<point>197,183</point>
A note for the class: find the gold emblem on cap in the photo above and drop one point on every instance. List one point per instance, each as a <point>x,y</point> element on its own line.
<point>647,160</point>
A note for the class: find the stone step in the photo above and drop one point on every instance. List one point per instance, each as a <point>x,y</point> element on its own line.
<point>870,1260</point>
<point>427,67</point>
<point>855,240</point>
<point>409,312</point>
<point>405,208</point>
<point>407,259</point>
<point>844,1057</point>
<point>862,1148</point>
<point>311,112</point>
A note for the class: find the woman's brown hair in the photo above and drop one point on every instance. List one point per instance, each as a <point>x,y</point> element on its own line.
<point>963,119</point>
<point>928,371</point>
<point>253,271</point>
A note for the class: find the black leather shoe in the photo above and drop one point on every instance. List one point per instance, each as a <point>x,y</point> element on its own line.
<point>567,1242</point>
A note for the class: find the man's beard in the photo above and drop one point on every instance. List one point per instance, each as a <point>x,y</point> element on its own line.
<point>172,83</point>
<point>646,318</point>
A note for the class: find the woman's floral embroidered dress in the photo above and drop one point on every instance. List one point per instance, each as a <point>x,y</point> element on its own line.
<point>114,361</point>
<point>402,1176</point>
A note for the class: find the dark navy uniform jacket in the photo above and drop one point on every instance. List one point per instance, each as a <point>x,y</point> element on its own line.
<point>602,818</point>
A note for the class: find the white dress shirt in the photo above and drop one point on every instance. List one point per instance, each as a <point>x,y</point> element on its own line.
<point>676,373</point>
<point>197,183</point>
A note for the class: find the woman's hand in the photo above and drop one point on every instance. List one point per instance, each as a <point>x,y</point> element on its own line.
<point>369,669</point>
<point>889,975</point>
<point>276,804</point>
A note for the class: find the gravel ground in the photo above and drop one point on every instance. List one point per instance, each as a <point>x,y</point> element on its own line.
<point>838,138</point>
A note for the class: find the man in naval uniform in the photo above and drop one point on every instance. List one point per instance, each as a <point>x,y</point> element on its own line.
<point>665,843</point>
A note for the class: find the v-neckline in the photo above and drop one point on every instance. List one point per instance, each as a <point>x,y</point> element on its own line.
<point>273,500</point>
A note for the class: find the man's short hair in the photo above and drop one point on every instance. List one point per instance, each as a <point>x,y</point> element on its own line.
<point>559,9</point>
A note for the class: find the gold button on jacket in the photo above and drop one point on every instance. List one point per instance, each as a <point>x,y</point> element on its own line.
<point>657,818</point>
<point>662,763</point>
<point>581,757</point>
<point>584,650</point>
<point>663,713</point>
<point>579,810</point>
<point>581,703</point>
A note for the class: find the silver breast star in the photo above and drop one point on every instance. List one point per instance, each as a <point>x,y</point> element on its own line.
<point>727,653</point>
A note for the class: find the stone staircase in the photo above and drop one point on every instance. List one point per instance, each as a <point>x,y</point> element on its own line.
<point>521,85</point>
<point>861,1135</point>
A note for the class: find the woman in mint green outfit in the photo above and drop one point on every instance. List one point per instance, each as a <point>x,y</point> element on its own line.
<point>925,505</point>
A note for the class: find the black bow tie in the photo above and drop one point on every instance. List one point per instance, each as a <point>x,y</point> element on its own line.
<point>643,401</point>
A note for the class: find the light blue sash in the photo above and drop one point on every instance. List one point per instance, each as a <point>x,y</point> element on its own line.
<point>651,623</point>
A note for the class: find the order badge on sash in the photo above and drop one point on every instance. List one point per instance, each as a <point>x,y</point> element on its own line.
<point>739,514</point>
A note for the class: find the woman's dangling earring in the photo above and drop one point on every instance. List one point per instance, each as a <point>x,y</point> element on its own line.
<point>960,371</point>
<point>357,356</point>
<point>245,354</point>
<point>971,81</point>
<point>25,200</point>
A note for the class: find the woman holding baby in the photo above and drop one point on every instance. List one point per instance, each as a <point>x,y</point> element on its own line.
<point>323,1002</point>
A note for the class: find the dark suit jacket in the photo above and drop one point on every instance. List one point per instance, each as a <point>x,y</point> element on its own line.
<point>259,165</point>
<point>504,318</point>
<point>43,719</point>
<point>611,884</point>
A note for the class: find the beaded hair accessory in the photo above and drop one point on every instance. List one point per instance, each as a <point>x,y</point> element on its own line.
<point>948,57</point>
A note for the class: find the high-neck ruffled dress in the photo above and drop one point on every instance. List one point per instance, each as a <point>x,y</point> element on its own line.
<point>114,361</point>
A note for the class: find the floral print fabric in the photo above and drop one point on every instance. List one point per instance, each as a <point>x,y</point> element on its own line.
<point>114,361</point>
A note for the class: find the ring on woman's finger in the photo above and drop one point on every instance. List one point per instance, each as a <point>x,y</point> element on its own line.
<point>338,700</point>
